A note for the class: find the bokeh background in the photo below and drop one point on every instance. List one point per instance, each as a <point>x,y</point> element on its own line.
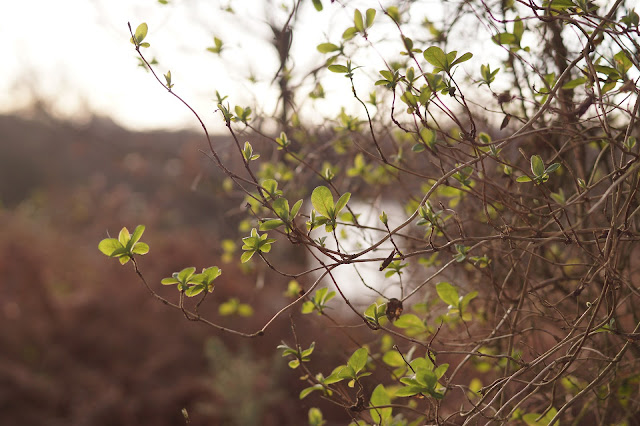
<point>89,143</point>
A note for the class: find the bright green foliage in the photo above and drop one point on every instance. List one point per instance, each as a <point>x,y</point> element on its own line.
<point>374,312</point>
<point>167,78</point>
<point>322,201</point>
<point>412,325</point>
<point>193,284</point>
<point>139,35</point>
<point>425,379</point>
<point>429,217</point>
<point>270,186</point>
<point>380,397</point>
<point>540,174</point>
<point>234,307</point>
<point>395,267</point>
<point>299,354</point>
<point>415,129</point>
<point>360,24</point>
<point>217,46</point>
<point>241,114</point>
<point>125,246</point>
<point>255,243</point>
<point>457,304</point>
<point>286,216</point>
<point>488,75</point>
<point>352,371</point>
<point>512,39</point>
<point>283,142</point>
<point>390,79</point>
<point>247,152</point>
<point>315,415</point>
<point>394,359</point>
<point>535,419</point>
<point>319,301</point>
<point>444,61</point>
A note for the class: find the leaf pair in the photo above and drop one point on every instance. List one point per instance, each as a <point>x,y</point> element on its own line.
<point>540,173</point>
<point>352,371</point>
<point>318,302</point>
<point>324,205</point>
<point>457,305</point>
<point>125,246</point>
<point>286,215</point>
<point>255,243</point>
<point>360,24</point>
<point>424,380</point>
<point>191,283</point>
<point>444,61</point>
<point>299,355</point>
<point>139,35</point>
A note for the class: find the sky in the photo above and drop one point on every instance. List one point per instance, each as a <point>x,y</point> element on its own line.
<point>76,55</point>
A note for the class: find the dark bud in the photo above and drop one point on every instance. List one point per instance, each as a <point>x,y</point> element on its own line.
<point>394,309</point>
<point>504,97</point>
<point>388,260</point>
<point>505,121</point>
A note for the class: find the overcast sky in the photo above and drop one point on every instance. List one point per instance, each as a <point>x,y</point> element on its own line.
<point>77,55</point>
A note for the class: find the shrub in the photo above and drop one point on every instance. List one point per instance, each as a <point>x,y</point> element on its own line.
<point>512,289</point>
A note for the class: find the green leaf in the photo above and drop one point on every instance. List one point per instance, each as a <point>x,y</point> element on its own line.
<point>327,47</point>
<point>409,320</point>
<point>518,28</point>
<point>271,224</point>
<point>194,290</point>
<point>295,209</point>
<point>140,248</point>
<point>370,16</point>
<point>537,166</point>
<point>523,179</point>
<point>464,302</point>
<point>141,32</point>
<point>137,233</point>
<point>124,236</point>
<point>109,246</point>
<point>409,391</point>
<point>379,397</point>
<point>342,202</point>
<point>169,281</point>
<point>357,20</point>
<point>427,378</point>
<point>358,360</point>
<point>308,307</point>
<point>341,69</point>
<point>440,370</point>
<point>308,390</point>
<point>574,83</point>
<point>448,293</point>
<point>436,57</point>
<point>294,363</point>
<point>322,201</point>
<point>185,274</point>
<point>552,168</point>
<point>281,207</point>
<point>246,256</point>
<point>349,33</point>
<point>393,358</point>
<point>531,419</point>
<point>462,58</point>
<point>504,38</point>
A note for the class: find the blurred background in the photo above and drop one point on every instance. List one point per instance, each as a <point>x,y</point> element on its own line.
<point>89,142</point>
